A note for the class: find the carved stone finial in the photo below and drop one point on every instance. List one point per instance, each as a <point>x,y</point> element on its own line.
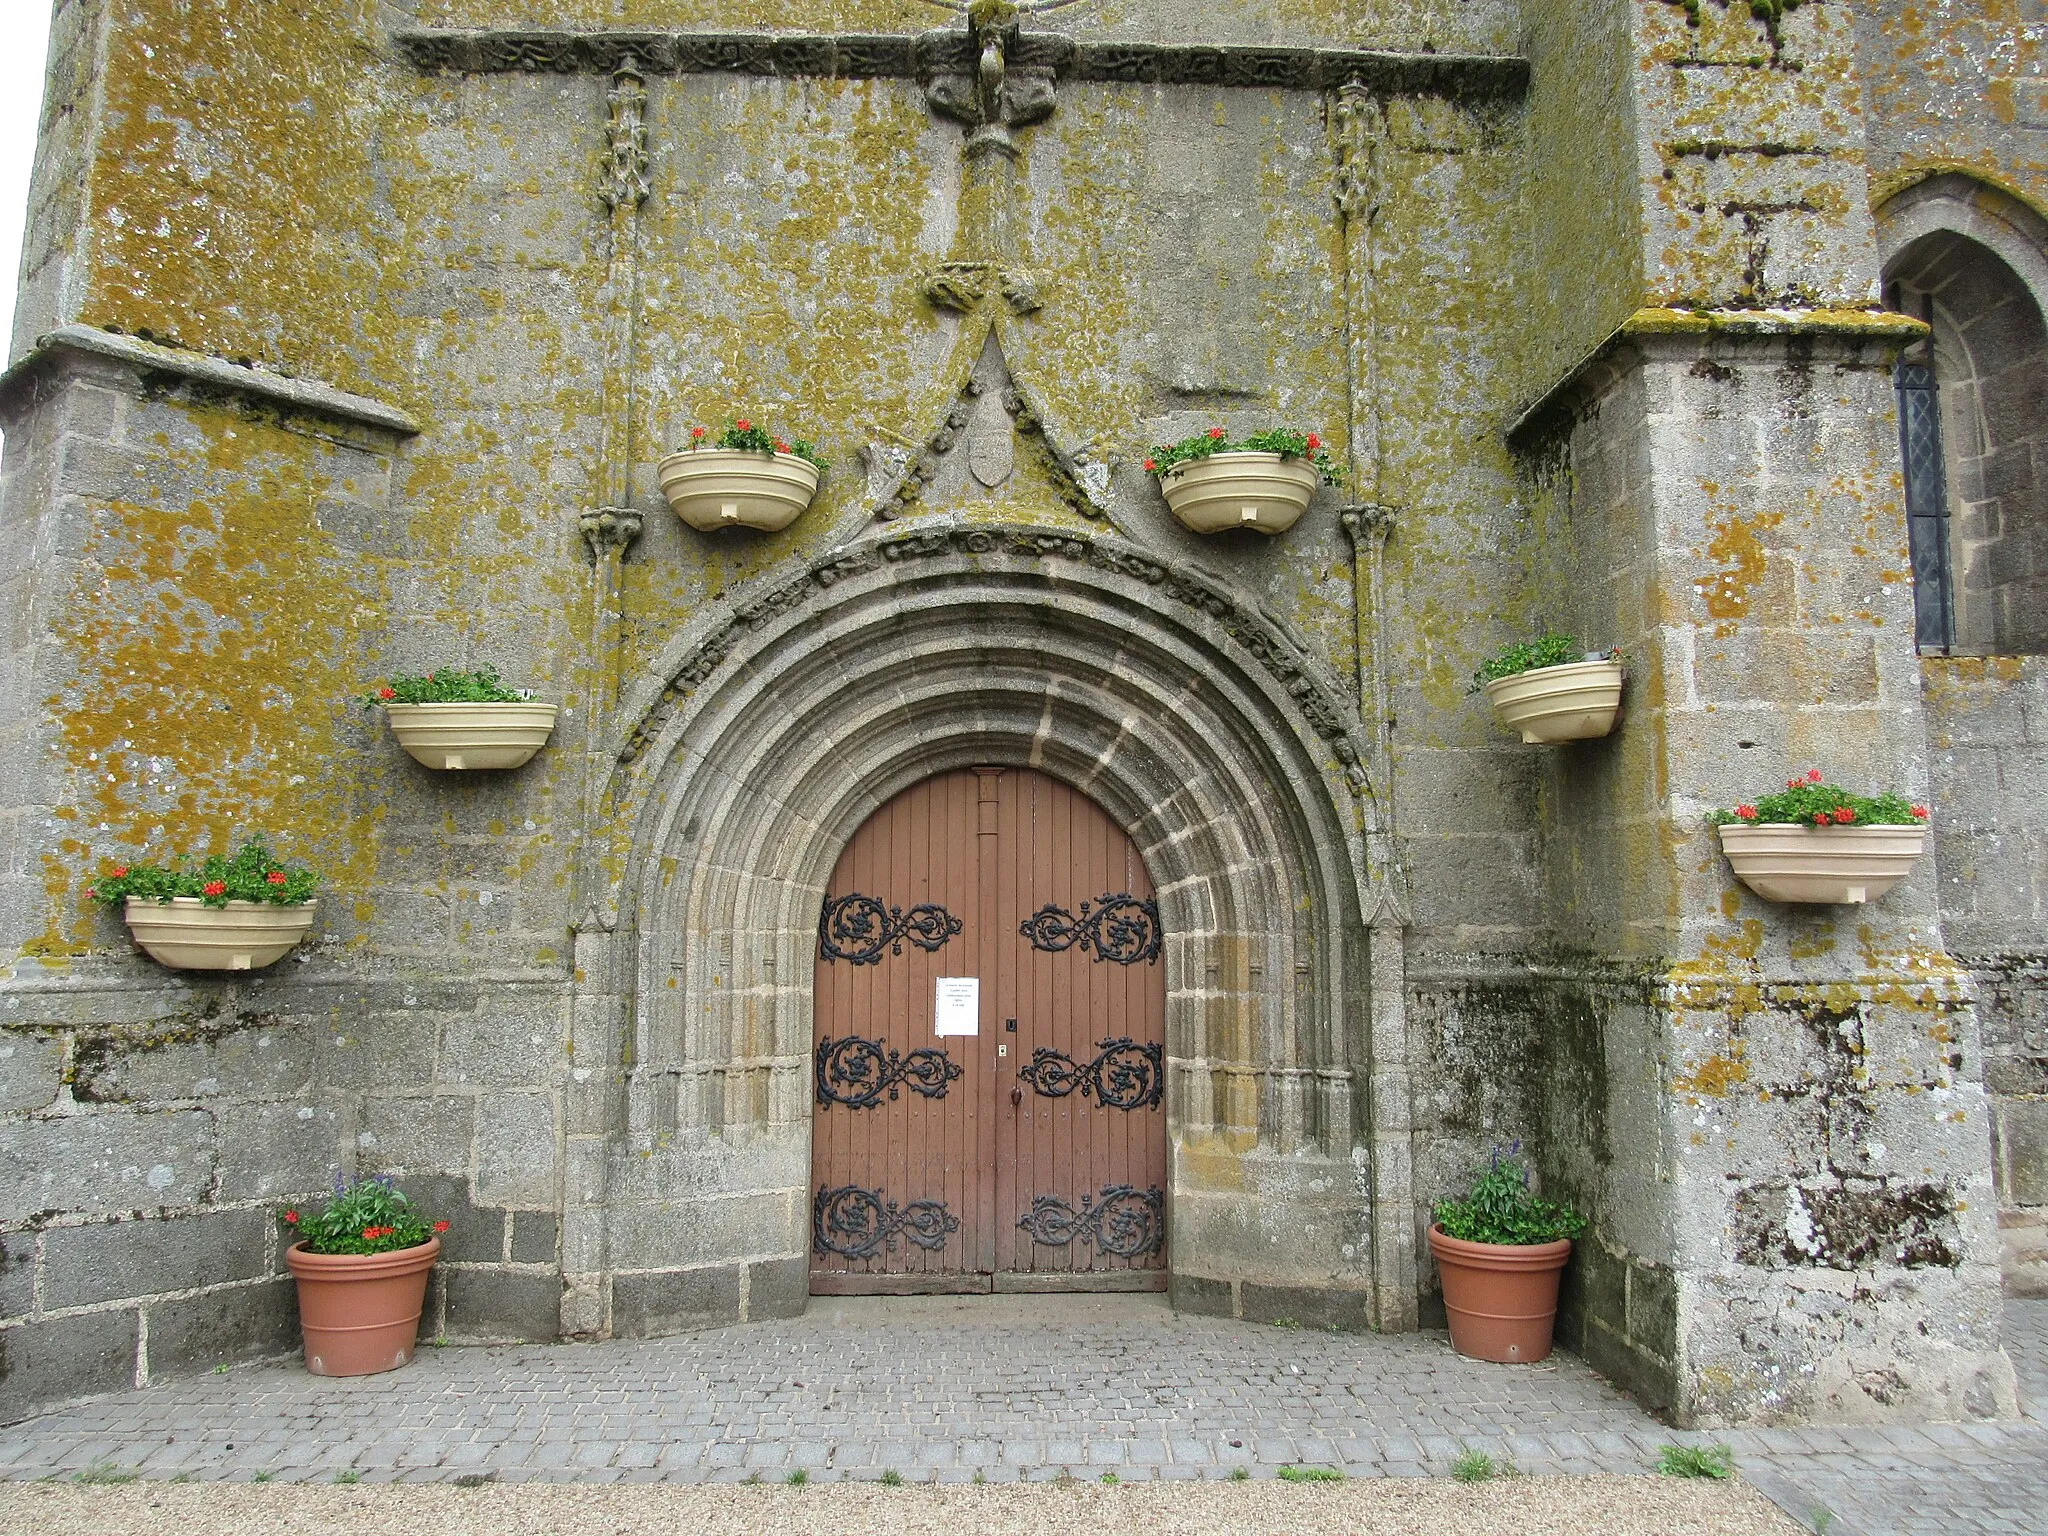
<point>609,528</point>
<point>625,183</point>
<point>994,76</point>
<point>1358,126</point>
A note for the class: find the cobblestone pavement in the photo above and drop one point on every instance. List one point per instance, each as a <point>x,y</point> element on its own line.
<point>1014,1387</point>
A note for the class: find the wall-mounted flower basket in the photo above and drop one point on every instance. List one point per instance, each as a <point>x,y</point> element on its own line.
<point>1574,702</point>
<point>749,479</point>
<point>187,935</point>
<point>1782,861</point>
<point>236,913</point>
<point>1262,491</point>
<point>1551,691</point>
<point>1815,842</point>
<point>472,735</point>
<point>1262,482</point>
<point>464,720</point>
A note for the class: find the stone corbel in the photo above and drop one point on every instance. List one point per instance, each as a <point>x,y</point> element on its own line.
<point>606,529</point>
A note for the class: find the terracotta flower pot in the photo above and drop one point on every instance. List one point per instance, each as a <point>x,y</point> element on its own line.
<point>471,735</point>
<point>1573,702</point>
<point>1502,1299</point>
<point>1240,490</point>
<point>188,935</point>
<point>360,1312</point>
<point>1782,861</point>
<point>712,488</point>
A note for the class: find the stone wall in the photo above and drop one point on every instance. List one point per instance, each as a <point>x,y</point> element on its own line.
<point>423,327</point>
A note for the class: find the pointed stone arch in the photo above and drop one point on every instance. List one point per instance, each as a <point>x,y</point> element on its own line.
<point>765,739</point>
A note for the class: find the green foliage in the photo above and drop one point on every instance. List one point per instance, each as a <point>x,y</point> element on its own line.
<point>751,437</point>
<point>797,1478</point>
<point>445,685</point>
<point>1710,1461</point>
<point>252,873</point>
<point>1240,1474</point>
<point>1812,801</point>
<point>266,1475</point>
<point>103,1473</point>
<point>1478,1467</point>
<point>1285,441</point>
<point>1501,1208</point>
<point>1311,1475</point>
<point>1528,655</point>
<point>367,1217</point>
<point>348,1475</point>
<point>1111,1478</point>
<point>892,1478</point>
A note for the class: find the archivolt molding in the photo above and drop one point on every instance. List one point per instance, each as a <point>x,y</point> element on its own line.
<point>1191,718</point>
<point>1955,203</point>
<point>691,661</point>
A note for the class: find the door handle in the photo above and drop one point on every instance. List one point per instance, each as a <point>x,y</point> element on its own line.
<point>1016,1096</point>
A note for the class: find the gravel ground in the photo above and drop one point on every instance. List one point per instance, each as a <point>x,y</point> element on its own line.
<point>1523,1506</point>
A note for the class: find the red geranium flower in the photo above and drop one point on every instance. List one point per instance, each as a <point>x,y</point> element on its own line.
<point>214,888</point>
<point>1151,463</point>
<point>440,1226</point>
<point>695,433</point>
<point>744,425</point>
<point>1822,819</point>
<point>370,1234</point>
<point>276,877</point>
<point>1793,783</point>
<point>1314,442</point>
<point>1215,431</point>
<point>1845,814</point>
<point>1920,811</point>
<point>1746,812</point>
<point>91,891</point>
<point>120,870</point>
<point>1813,775</point>
<point>387,693</point>
<point>291,1218</point>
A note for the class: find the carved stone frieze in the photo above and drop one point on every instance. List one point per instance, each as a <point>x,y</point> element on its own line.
<point>910,57</point>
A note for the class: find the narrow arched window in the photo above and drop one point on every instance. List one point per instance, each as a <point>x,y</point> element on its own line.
<point>1973,435</point>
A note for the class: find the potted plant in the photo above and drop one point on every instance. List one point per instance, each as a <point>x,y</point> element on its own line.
<point>748,478</point>
<point>451,719</point>
<point>1501,1251</point>
<point>361,1262</point>
<point>1815,842</point>
<point>1263,481</point>
<point>1550,691</point>
<point>231,913</point>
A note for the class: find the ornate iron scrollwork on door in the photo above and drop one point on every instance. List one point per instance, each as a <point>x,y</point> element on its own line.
<point>1120,928</point>
<point>854,1072</point>
<point>1121,1222</point>
<point>855,1223</point>
<point>1125,1075</point>
<point>859,928</point>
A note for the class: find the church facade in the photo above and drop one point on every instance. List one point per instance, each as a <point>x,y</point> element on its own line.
<point>988,882</point>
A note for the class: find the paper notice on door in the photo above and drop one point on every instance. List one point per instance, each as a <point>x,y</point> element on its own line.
<point>959,1006</point>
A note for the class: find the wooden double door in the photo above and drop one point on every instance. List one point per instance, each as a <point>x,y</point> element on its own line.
<point>1029,1154</point>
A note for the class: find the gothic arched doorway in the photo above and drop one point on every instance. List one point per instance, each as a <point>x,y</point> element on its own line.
<point>988,1056</point>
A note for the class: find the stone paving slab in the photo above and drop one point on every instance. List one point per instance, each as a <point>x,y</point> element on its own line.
<point>1015,1388</point>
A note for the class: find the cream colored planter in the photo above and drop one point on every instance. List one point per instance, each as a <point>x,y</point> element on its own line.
<point>1240,490</point>
<point>187,935</point>
<point>1551,704</point>
<point>712,488</point>
<point>1782,861</point>
<point>471,735</point>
